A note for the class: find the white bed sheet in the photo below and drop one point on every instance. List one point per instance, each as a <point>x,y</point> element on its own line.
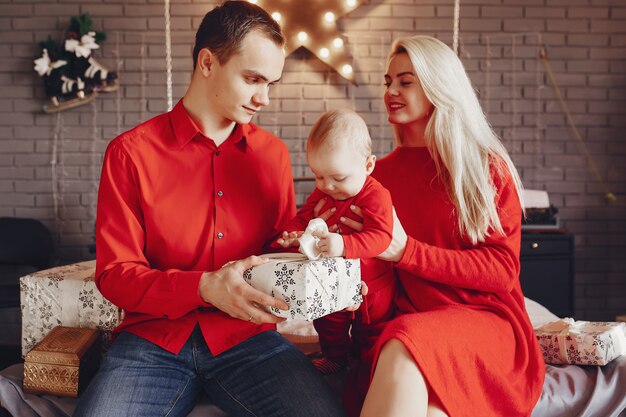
<point>569,390</point>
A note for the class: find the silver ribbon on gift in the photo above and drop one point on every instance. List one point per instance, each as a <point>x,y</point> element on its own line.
<point>308,242</point>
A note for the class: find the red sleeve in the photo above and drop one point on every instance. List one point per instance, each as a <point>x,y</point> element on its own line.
<point>297,223</point>
<point>305,214</point>
<point>287,207</point>
<point>490,266</point>
<point>376,235</point>
<point>123,274</point>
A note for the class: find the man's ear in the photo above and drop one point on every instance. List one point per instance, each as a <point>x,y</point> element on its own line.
<point>370,163</point>
<point>206,60</point>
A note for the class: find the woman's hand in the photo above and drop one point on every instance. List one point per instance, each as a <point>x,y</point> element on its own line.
<point>398,242</point>
<point>325,215</point>
<point>353,224</point>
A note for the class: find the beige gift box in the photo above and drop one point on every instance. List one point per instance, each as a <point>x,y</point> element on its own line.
<point>64,296</point>
<point>581,342</point>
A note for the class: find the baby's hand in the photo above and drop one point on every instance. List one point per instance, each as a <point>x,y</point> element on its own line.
<point>289,239</point>
<point>330,244</point>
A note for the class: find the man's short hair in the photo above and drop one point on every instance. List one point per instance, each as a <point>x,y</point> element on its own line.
<point>222,30</point>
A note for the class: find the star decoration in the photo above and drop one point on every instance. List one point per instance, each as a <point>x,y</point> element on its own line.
<point>312,24</point>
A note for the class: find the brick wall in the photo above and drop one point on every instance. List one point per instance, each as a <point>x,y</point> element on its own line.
<point>49,164</point>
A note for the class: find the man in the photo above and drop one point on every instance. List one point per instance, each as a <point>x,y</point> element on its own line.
<point>181,196</point>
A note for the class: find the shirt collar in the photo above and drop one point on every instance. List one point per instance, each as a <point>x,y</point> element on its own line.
<point>185,129</point>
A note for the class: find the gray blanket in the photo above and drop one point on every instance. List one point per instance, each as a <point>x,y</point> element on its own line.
<point>569,391</point>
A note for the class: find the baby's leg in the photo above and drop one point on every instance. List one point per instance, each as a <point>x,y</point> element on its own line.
<point>334,334</point>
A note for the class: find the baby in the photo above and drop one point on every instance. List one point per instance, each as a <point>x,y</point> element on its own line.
<point>340,156</point>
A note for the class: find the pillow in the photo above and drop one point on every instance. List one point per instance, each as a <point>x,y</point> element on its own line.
<point>298,331</point>
<point>301,333</point>
<point>539,315</point>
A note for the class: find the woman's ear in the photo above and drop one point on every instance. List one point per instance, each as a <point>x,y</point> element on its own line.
<point>370,163</point>
<point>206,59</point>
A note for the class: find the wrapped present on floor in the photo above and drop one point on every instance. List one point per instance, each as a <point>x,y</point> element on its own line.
<point>63,363</point>
<point>311,288</point>
<point>64,296</point>
<point>581,342</point>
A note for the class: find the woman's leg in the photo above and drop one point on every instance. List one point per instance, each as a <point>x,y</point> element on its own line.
<point>398,387</point>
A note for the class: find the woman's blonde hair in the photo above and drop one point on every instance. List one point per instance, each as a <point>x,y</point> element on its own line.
<point>459,136</point>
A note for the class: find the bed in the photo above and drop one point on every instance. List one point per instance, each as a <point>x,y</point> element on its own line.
<point>569,390</point>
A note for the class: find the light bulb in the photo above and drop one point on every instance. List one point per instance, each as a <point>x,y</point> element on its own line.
<point>351,3</point>
<point>329,17</point>
<point>337,42</point>
<point>324,52</point>
<point>346,69</point>
<point>276,16</point>
<point>303,36</point>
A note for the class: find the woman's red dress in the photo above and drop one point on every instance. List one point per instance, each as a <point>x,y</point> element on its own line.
<point>461,311</point>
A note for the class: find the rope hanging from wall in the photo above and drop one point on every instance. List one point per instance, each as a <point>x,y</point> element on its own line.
<point>93,162</point>
<point>539,126</point>
<point>57,174</point>
<point>455,26</point>
<point>118,93</point>
<point>513,92</point>
<point>168,55</point>
<point>543,56</point>
<point>144,77</point>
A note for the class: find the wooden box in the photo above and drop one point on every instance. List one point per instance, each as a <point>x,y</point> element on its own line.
<point>63,362</point>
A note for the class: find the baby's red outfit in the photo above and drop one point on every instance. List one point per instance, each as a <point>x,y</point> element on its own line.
<point>377,307</point>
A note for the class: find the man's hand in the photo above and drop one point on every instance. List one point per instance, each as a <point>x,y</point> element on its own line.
<point>226,290</point>
<point>330,244</point>
<point>289,239</point>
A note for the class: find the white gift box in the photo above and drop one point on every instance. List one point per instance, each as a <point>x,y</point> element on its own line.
<point>311,288</point>
<point>581,342</point>
<point>64,296</point>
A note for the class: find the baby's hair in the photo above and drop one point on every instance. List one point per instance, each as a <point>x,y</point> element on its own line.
<point>335,126</point>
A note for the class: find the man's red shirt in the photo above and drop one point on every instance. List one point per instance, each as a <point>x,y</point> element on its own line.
<point>172,205</point>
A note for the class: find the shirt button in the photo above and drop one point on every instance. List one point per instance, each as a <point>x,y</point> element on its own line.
<point>220,235</point>
<point>165,316</point>
<point>220,193</point>
<point>217,153</point>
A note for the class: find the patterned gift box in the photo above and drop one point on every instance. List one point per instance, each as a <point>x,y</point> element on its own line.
<point>63,362</point>
<point>581,342</point>
<point>311,288</point>
<point>64,296</point>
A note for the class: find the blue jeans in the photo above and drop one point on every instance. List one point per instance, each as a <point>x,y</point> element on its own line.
<point>262,376</point>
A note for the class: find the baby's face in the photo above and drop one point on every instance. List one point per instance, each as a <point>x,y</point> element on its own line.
<point>340,172</point>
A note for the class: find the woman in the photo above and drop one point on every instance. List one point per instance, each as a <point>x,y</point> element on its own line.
<point>461,343</point>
